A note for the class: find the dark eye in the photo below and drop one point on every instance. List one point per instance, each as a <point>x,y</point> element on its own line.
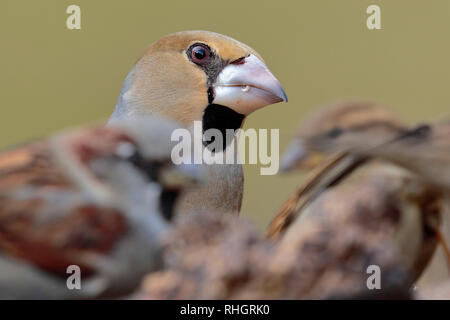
<point>335,132</point>
<point>200,53</point>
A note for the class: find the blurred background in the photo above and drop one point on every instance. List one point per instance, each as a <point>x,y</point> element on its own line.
<point>52,77</point>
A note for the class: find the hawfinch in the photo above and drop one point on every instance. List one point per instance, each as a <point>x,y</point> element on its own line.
<point>383,200</point>
<point>207,77</point>
<point>98,199</point>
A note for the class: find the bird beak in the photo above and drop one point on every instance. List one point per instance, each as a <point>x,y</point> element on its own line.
<point>182,175</point>
<point>247,86</point>
<point>297,156</point>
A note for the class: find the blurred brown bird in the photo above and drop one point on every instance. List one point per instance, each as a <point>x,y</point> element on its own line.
<point>332,127</point>
<point>425,149</point>
<point>96,198</point>
<point>378,197</point>
<point>439,291</point>
<point>207,77</point>
<point>216,257</point>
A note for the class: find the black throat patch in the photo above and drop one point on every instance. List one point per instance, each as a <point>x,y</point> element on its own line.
<point>221,118</point>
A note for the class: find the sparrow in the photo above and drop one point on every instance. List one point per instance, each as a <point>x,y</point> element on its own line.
<point>95,198</point>
<point>331,127</point>
<point>423,150</point>
<point>206,77</point>
<point>320,143</point>
<point>375,197</point>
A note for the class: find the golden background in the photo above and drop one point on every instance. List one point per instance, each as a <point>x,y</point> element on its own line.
<point>52,77</point>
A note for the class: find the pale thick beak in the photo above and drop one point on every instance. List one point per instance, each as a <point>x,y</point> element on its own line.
<point>247,86</point>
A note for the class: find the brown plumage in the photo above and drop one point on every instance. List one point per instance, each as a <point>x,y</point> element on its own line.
<point>213,257</point>
<point>200,76</point>
<point>29,179</point>
<point>318,146</point>
<point>338,124</point>
<point>88,197</point>
<point>397,204</point>
<point>351,213</point>
<point>425,149</point>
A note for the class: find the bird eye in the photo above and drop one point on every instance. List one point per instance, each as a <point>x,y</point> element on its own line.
<point>200,53</point>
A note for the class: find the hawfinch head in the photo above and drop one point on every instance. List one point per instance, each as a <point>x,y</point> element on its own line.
<point>337,125</point>
<point>184,73</point>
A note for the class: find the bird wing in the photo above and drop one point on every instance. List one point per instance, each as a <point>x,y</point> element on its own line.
<point>326,174</point>
<point>46,220</point>
<point>425,150</point>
